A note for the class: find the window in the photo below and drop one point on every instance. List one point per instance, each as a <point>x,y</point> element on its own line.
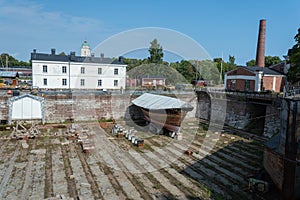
<point>64,81</point>
<point>64,69</point>
<point>45,68</point>
<point>99,70</point>
<point>116,71</point>
<point>82,70</point>
<point>45,81</point>
<point>99,82</point>
<point>247,85</point>
<point>81,82</point>
<point>116,83</point>
<point>232,84</point>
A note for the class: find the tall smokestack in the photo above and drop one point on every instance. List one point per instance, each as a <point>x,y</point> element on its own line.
<point>260,51</point>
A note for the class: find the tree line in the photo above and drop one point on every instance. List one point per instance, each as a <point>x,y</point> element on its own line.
<point>7,60</point>
<point>293,74</point>
<point>212,70</point>
<point>188,70</point>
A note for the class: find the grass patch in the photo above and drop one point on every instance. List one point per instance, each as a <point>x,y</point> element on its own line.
<point>157,186</point>
<point>106,169</point>
<point>5,133</point>
<point>106,120</point>
<point>205,192</point>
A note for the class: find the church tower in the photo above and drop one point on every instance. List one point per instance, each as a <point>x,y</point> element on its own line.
<point>85,49</point>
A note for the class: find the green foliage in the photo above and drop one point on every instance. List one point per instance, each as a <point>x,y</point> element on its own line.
<point>226,66</point>
<point>272,60</point>
<point>251,63</point>
<point>177,72</point>
<point>11,61</point>
<point>156,52</point>
<point>208,71</point>
<point>269,61</point>
<point>172,76</point>
<point>193,69</point>
<point>186,69</point>
<point>293,74</point>
<point>231,60</point>
<point>132,62</point>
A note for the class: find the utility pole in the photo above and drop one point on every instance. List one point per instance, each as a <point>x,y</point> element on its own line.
<point>6,62</point>
<point>221,74</point>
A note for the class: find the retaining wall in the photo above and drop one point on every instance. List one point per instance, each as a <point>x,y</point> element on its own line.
<point>60,108</point>
<point>253,117</point>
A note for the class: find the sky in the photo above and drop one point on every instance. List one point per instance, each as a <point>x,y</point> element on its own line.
<point>221,27</point>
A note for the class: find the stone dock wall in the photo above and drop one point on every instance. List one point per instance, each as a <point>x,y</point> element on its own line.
<point>60,108</point>
<point>259,118</point>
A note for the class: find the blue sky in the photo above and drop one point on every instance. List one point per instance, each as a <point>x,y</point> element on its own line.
<point>219,26</point>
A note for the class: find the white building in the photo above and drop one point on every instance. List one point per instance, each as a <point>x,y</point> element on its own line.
<point>52,71</point>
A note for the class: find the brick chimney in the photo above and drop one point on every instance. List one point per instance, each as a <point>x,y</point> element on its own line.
<point>260,51</point>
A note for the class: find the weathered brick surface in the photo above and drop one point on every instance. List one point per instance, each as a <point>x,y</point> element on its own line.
<point>62,108</point>
<point>241,71</point>
<point>257,118</point>
<point>77,108</point>
<point>268,83</point>
<point>272,121</point>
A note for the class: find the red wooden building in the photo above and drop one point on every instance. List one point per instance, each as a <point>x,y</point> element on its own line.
<point>153,81</point>
<point>254,79</point>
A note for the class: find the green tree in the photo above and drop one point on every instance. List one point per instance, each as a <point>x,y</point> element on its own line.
<point>186,69</point>
<point>10,61</point>
<point>226,66</point>
<point>293,74</point>
<point>204,70</point>
<point>156,52</point>
<point>172,76</point>
<point>133,62</point>
<point>269,61</point>
<point>209,71</point>
<point>231,60</point>
<point>251,63</point>
<point>272,60</point>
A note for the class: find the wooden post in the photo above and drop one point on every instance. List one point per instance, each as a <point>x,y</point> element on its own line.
<point>290,157</point>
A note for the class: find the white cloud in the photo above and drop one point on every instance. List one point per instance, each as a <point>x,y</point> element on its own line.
<point>27,25</point>
<point>32,16</point>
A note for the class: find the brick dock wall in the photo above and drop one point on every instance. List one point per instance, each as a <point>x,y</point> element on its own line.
<point>60,108</point>
<point>239,114</point>
<point>257,118</point>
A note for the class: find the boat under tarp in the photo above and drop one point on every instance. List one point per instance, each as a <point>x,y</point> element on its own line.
<point>164,111</point>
